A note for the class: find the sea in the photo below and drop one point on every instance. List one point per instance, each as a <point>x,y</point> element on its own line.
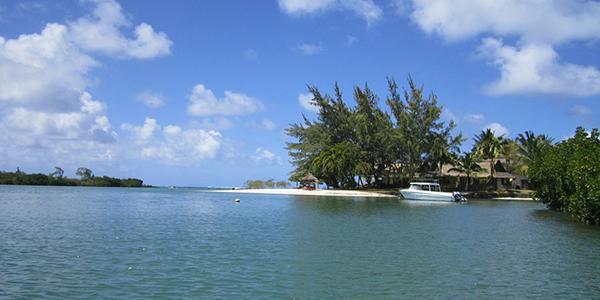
<point>194,243</point>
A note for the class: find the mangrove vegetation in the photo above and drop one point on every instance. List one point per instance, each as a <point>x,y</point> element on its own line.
<point>86,178</point>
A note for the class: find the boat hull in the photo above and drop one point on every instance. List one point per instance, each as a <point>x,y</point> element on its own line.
<point>427,195</point>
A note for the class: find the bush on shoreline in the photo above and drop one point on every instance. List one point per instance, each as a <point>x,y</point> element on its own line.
<point>20,178</point>
<point>567,177</point>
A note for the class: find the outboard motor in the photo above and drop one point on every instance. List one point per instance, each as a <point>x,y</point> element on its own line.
<point>458,197</point>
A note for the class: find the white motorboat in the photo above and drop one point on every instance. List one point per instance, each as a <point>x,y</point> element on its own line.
<point>430,191</point>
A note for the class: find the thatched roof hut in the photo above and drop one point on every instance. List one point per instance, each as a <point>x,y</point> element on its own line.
<point>309,178</point>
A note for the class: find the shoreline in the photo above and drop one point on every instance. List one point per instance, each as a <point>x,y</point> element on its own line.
<point>339,193</point>
<point>316,192</point>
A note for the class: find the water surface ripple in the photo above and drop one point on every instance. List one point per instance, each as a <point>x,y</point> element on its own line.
<point>117,243</point>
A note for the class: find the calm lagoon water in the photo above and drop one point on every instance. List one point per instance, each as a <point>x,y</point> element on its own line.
<point>119,243</point>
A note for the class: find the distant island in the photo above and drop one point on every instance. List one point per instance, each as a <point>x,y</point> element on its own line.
<point>57,178</point>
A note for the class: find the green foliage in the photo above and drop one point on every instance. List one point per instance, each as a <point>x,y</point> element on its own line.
<point>84,173</point>
<point>468,164</point>
<point>531,147</point>
<point>420,137</point>
<point>58,172</point>
<point>270,183</point>
<point>336,164</point>
<point>489,146</point>
<point>260,184</point>
<point>363,142</point>
<point>56,178</point>
<point>566,176</point>
<point>282,184</point>
<point>254,184</point>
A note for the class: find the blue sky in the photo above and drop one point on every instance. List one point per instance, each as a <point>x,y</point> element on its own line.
<point>198,93</point>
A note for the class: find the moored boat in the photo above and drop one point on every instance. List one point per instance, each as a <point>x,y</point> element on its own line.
<point>430,191</point>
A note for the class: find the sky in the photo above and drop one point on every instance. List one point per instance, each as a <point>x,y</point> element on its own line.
<point>199,93</point>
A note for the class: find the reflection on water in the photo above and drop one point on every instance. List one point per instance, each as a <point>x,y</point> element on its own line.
<point>58,242</point>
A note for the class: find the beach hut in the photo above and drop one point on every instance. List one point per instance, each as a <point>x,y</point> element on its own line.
<point>308,180</point>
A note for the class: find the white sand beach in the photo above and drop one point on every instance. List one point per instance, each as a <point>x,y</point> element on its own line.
<point>317,192</point>
<point>339,193</point>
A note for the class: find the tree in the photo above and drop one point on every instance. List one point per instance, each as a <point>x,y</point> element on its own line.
<point>468,164</point>
<point>531,146</point>
<point>345,144</point>
<point>566,176</point>
<point>282,184</point>
<point>270,183</point>
<point>255,184</point>
<point>58,173</point>
<point>419,134</point>
<point>372,127</point>
<point>336,165</point>
<point>85,173</point>
<point>489,146</point>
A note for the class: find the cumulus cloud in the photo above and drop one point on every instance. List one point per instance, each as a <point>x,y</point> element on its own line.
<point>151,99</point>
<point>28,127</point>
<point>264,124</point>
<point>532,65</point>
<point>309,49</point>
<point>183,147</point>
<point>366,9</point>
<point>264,156</point>
<point>45,109</point>
<point>536,69</point>
<point>101,32</point>
<point>43,71</point>
<point>548,21</point>
<point>498,129</point>
<point>305,101</point>
<point>203,102</point>
<point>172,145</point>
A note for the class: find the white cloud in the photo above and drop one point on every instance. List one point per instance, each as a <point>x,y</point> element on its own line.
<point>532,65</point>
<point>28,127</point>
<point>214,123</point>
<point>547,21</point>
<point>537,69</point>
<point>43,81</point>
<point>268,124</point>
<point>308,49</point>
<point>264,124</point>
<point>183,147</point>
<point>101,32</point>
<point>151,99</point>
<point>366,9</point>
<point>43,71</point>
<point>173,145</point>
<point>250,54</point>
<point>305,101</point>
<point>264,156</point>
<point>582,111</point>
<point>498,129</point>
<point>146,131</point>
<point>203,102</point>
<point>350,40</point>
<point>584,115</point>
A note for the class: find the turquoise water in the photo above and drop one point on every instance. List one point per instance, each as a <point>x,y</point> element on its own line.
<point>119,243</point>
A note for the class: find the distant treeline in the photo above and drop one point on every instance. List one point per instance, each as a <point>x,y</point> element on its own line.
<point>260,184</point>
<point>57,178</point>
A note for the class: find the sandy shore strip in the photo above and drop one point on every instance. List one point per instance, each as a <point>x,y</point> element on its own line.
<point>317,192</point>
<point>513,199</point>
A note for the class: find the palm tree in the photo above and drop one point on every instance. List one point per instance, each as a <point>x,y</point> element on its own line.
<point>488,146</point>
<point>531,146</point>
<point>468,164</point>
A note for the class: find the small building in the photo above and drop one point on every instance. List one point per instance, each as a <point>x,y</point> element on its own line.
<point>308,180</point>
<point>502,179</point>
